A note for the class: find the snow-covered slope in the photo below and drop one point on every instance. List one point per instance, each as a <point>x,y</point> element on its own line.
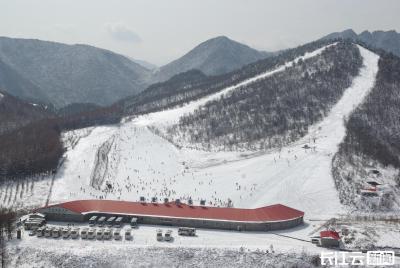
<point>137,162</point>
<point>171,116</point>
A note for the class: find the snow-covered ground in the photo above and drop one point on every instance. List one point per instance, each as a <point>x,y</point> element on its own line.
<point>138,162</point>
<point>210,248</point>
<point>281,249</point>
<point>141,163</point>
<point>145,251</point>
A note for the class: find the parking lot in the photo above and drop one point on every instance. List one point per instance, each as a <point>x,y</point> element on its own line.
<point>101,234</point>
<point>65,231</point>
<point>99,228</point>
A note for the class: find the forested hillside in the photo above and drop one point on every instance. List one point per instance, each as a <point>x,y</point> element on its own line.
<point>62,74</point>
<point>274,111</point>
<point>15,113</point>
<point>372,141</point>
<point>194,84</point>
<point>36,148</point>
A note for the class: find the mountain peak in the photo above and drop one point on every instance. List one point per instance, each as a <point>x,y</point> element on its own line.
<point>346,34</point>
<point>220,38</point>
<point>214,56</point>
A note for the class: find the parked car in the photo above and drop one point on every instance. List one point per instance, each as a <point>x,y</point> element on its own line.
<point>128,234</point>
<point>66,232</point>
<point>84,233</point>
<point>110,221</point>
<point>117,234</point>
<point>40,231</point>
<point>118,222</point>
<point>48,231</point>
<point>107,234</point>
<point>32,232</point>
<point>91,233</point>
<point>134,222</point>
<point>92,221</point>
<point>168,235</point>
<point>99,234</point>
<point>101,221</point>
<point>159,235</point>
<point>186,231</point>
<point>75,233</point>
<point>55,233</point>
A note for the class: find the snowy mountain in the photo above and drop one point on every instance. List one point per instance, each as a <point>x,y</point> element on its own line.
<point>194,84</point>
<point>294,128</point>
<point>63,74</point>
<point>370,151</point>
<point>272,111</point>
<point>386,40</point>
<point>142,152</point>
<point>308,128</point>
<point>215,56</point>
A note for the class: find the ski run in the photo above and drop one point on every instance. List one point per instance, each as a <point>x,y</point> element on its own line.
<point>127,161</point>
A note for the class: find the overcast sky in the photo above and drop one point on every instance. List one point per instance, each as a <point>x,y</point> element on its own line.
<point>159,31</point>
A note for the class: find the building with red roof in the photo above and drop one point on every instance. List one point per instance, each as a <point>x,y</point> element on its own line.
<point>266,218</point>
<point>329,238</point>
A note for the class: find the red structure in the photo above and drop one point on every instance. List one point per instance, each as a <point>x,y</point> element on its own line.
<point>330,234</point>
<point>265,218</point>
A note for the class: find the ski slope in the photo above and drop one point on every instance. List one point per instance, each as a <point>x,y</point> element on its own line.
<point>140,163</point>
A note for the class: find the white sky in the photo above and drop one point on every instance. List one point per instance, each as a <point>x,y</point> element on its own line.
<point>159,31</point>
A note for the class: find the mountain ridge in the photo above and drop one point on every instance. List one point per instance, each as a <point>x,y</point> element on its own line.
<point>214,56</point>
<point>72,73</point>
<point>386,40</point>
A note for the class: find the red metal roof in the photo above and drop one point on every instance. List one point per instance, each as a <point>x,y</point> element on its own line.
<point>330,234</point>
<point>264,214</point>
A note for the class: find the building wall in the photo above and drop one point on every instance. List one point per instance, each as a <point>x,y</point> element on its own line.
<point>224,225</point>
<point>59,215</point>
<point>329,242</point>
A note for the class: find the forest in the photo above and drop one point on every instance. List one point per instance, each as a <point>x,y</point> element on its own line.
<point>274,111</point>
<point>194,84</point>
<point>36,148</point>
<point>373,136</point>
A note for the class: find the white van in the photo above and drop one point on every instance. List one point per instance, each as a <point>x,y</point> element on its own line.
<point>91,233</point>
<point>66,232</point>
<point>117,234</point>
<point>99,234</point>
<point>84,233</point>
<point>75,233</point>
<point>107,234</point>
